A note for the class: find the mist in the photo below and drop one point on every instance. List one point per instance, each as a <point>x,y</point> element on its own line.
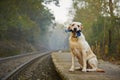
<point>55,38</point>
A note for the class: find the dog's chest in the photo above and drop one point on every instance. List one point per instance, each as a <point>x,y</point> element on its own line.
<point>76,49</point>
<point>74,43</point>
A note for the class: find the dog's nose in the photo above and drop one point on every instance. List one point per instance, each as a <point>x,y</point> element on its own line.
<point>75,29</point>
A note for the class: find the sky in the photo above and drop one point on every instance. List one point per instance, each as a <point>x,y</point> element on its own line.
<point>61,13</point>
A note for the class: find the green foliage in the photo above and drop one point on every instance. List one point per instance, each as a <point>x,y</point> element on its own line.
<point>23,21</point>
<point>101,25</point>
<point>25,16</point>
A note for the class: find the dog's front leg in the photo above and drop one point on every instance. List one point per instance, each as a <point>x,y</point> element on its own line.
<point>73,63</point>
<point>84,61</point>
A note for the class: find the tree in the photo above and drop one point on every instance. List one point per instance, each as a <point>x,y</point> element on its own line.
<point>100,19</point>
<point>26,21</point>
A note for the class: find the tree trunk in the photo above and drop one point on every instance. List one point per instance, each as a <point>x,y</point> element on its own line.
<point>109,40</point>
<point>110,37</point>
<point>111,8</point>
<point>111,25</point>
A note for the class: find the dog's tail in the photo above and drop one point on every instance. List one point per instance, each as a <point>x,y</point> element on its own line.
<point>100,70</point>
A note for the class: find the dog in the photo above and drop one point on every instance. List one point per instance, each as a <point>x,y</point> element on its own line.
<point>81,50</point>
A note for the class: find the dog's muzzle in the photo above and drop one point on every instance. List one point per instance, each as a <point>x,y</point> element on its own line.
<point>75,29</point>
<point>78,33</point>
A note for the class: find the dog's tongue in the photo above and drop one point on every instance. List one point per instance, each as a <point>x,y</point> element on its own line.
<point>78,33</point>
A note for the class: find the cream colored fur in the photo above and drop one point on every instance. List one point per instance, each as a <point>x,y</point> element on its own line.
<point>81,50</point>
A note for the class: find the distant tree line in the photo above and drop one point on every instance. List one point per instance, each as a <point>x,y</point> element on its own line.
<point>23,21</point>
<point>101,21</point>
<point>20,20</point>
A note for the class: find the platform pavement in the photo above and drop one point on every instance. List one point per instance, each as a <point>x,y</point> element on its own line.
<point>62,63</point>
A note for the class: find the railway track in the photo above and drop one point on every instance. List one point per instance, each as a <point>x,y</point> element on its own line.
<point>9,64</point>
<point>13,75</point>
<point>18,56</point>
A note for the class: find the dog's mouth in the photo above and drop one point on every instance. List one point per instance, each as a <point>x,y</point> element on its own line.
<point>76,33</point>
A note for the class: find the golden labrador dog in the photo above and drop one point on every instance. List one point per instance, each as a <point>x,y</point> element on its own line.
<point>81,49</point>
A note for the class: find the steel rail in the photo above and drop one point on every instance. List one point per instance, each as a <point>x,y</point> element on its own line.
<point>17,56</point>
<point>16,72</point>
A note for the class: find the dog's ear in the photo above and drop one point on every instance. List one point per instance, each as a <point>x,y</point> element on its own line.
<point>72,24</point>
<point>80,26</point>
<point>69,27</point>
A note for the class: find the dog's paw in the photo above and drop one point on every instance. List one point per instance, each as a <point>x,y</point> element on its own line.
<point>71,69</point>
<point>84,70</point>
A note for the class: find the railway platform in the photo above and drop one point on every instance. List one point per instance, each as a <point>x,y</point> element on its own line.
<point>62,63</point>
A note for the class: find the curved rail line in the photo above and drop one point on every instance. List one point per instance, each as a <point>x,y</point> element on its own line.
<point>18,56</point>
<point>13,75</point>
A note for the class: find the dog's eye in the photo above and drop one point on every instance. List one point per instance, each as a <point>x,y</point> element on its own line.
<point>78,25</point>
<point>73,24</point>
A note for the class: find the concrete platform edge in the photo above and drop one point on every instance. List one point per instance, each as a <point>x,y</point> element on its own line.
<point>60,73</point>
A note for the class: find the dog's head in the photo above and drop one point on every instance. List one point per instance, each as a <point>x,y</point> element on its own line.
<point>75,28</point>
